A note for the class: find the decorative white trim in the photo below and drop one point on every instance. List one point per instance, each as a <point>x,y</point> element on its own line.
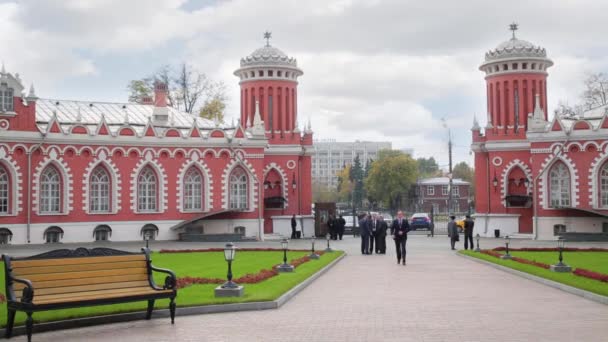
<point>253,190</point>
<point>66,182</point>
<point>291,164</point>
<point>544,190</point>
<point>285,180</point>
<point>540,150</point>
<point>14,170</point>
<point>148,160</point>
<point>497,161</point>
<point>195,161</point>
<point>505,176</point>
<point>4,125</point>
<point>594,185</point>
<point>116,188</point>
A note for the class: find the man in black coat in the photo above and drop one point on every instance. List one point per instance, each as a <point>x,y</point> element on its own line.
<point>381,228</point>
<point>373,235</point>
<point>340,224</point>
<point>399,231</point>
<point>468,232</point>
<point>364,224</point>
<point>294,224</point>
<point>331,225</point>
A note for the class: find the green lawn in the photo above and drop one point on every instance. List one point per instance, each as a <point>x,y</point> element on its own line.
<point>592,261</point>
<point>587,284</point>
<point>209,265</point>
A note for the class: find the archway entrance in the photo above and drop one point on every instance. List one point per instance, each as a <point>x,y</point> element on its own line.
<point>274,202</point>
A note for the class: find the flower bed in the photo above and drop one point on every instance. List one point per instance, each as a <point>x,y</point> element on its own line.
<point>2,298</point>
<point>246,279</point>
<point>591,275</point>
<point>551,249</point>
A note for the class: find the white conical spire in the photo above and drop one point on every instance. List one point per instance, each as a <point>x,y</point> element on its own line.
<point>32,92</point>
<point>539,114</point>
<point>78,115</point>
<point>258,124</point>
<point>475,124</point>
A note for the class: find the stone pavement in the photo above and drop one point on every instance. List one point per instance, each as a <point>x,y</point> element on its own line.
<point>438,296</point>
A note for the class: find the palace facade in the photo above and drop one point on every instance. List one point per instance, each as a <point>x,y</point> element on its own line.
<point>536,176</point>
<point>78,171</point>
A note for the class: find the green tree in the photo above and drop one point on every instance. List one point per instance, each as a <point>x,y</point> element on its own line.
<point>391,178</point>
<point>345,186</point>
<point>463,171</point>
<point>356,177</point>
<point>213,110</point>
<point>428,167</point>
<point>322,193</point>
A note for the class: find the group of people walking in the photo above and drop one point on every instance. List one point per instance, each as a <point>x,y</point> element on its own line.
<point>336,227</point>
<point>373,235</point>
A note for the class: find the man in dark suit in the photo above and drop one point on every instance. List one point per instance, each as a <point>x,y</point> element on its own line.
<point>372,236</point>
<point>399,231</point>
<point>364,224</point>
<point>381,229</point>
<point>468,232</point>
<point>294,224</point>
<point>341,223</point>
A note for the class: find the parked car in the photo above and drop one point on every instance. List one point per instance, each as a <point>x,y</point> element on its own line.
<point>348,227</point>
<point>420,221</point>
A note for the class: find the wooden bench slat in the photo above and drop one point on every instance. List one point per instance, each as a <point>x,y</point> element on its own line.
<point>98,296</point>
<point>76,261</point>
<point>95,287</point>
<point>85,274</point>
<point>23,272</point>
<point>85,281</point>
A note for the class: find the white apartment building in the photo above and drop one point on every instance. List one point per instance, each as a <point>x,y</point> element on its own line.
<point>330,156</point>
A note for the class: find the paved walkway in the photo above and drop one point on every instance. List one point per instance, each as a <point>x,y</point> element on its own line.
<point>438,296</point>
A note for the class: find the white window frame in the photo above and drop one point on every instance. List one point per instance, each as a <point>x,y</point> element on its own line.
<point>455,191</point>
<point>6,99</point>
<point>559,186</point>
<point>445,190</point>
<point>50,191</point>
<point>603,186</point>
<point>5,191</point>
<point>193,190</point>
<point>430,190</point>
<point>239,191</point>
<point>100,185</point>
<point>147,190</point>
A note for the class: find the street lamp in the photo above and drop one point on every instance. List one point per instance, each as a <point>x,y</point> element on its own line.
<point>328,249</point>
<point>561,266</point>
<point>147,238</point>
<point>507,242</point>
<point>313,255</point>
<point>285,267</point>
<point>477,237</point>
<point>229,288</point>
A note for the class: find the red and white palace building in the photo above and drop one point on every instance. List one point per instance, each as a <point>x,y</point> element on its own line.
<point>536,176</point>
<point>78,171</point>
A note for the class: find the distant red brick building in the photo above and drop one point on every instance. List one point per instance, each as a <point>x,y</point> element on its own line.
<point>77,171</point>
<point>536,176</point>
<point>433,194</point>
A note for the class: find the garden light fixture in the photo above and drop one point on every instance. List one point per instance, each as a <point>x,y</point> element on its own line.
<point>313,255</point>
<point>229,288</point>
<point>477,237</point>
<point>328,249</point>
<point>561,266</point>
<point>285,267</point>
<point>507,242</point>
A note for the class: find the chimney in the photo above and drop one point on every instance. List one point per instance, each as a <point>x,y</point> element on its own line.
<point>161,112</point>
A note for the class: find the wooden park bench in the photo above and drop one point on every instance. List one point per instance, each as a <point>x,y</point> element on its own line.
<point>66,278</point>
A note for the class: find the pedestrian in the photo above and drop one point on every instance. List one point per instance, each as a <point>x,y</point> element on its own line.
<point>468,232</point>
<point>294,224</point>
<point>341,223</point>
<point>381,235</point>
<point>331,226</point>
<point>364,224</point>
<point>399,230</point>
<point>372,235</point>
<point>453,231</point>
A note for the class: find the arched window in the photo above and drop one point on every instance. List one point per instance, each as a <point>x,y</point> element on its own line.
<point>238,189</point>
<point>604,186</point>
<point>559,181</point>
<point>50,190</point>
<point>5,236</point>
<point>193,189</point>
<point>99,192</point>
<point>53,234</point>
<point>4,191</point>
<point>102,233</point>
<point>149,230</point>
<point>147,199</point>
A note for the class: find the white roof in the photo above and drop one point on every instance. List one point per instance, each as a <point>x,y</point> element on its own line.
<point>441,181</point>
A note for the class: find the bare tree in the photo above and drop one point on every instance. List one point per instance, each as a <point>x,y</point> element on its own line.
<point>596,92</point>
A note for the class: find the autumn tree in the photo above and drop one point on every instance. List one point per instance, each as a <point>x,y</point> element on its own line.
<point>427,167</point>
<point>391,178</point>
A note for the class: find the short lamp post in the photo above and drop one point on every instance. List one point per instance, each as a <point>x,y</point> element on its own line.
<point>313,255</point>
<point>507,242</point>
<point>229,288</point>
<point>328,249</point>
<point>147,238</point>
<point>285,267</point>
<point>561,266</point>
<point>477,237</point>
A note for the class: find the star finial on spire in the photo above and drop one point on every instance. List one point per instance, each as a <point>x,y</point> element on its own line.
<point>513,27</point>
<point>267,36</point>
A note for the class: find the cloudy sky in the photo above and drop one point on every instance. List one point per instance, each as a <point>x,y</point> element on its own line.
<point>374,69</point>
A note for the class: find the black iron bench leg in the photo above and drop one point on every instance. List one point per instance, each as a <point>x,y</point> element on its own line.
<point>150,308</point>
<point>10,321</point>
<point>172,310</point>
<point>29,323</point>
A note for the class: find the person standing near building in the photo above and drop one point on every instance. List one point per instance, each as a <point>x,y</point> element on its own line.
<point>364,225</point>
<point>294,224</point>
<point>453,231</point>
<point>381,235</point>
<point>331,226</point>
<point>399,231</point>
<point>468,232</point>
<point>341,223</point>
<point>372,235</point>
